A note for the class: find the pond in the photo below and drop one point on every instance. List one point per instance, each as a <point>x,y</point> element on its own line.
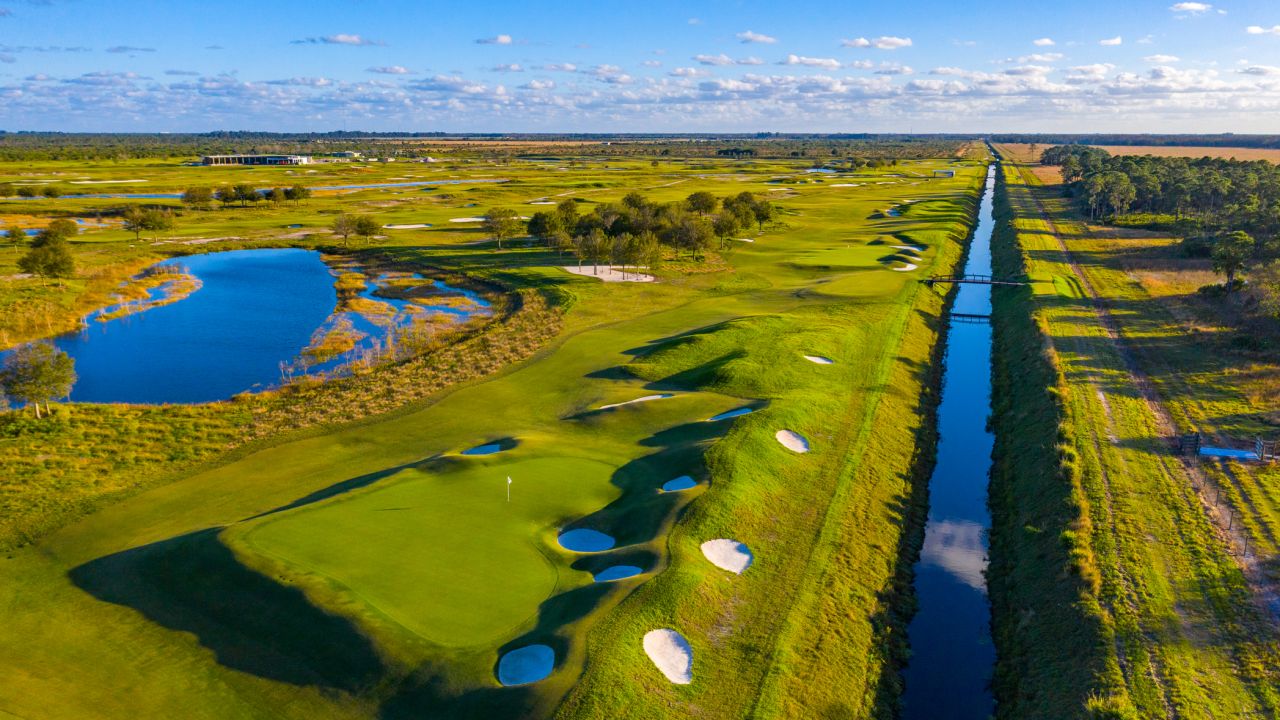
<point>242,330</point>
<point>952,656</point>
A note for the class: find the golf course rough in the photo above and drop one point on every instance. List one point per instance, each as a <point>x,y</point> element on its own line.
<point>416,554</point>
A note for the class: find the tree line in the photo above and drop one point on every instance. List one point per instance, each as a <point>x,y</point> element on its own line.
<point>1227,210</point>
<point>635,231</point>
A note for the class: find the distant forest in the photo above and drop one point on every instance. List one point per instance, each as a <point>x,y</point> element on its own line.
<point>37,146</point>
<point>1219,140</point>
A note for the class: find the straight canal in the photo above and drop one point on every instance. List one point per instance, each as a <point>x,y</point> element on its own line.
<point>952,657</point>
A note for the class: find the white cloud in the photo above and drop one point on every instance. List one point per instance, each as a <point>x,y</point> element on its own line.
<point>561,67</point>
<point>495,40</point>
<point>695,21</point>
<point>390,70</point>
<point>538,85</point>
<point>1089,73</point>
<point>508,67</point>
<point>894,69</point>
<point>687,72</point>
<point>1041,58</point>
<point>1191,8</point>
<point>947,71</point>
<point>652,63</point>
<point>1112,42</point>
<point>1259,30</point>
<point>748,36</point>
<point>828,63</point>
<point>1268,70</point>
<point>723,60</point>
<point>1028,70</point>
<point>1043,42</point>
<point>1161,59</point>
<point>884,42</point>
<point>339,39</point>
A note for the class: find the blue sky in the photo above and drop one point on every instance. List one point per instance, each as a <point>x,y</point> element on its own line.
<point>924,66</point>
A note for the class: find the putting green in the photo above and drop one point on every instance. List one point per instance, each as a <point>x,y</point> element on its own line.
<point>441,551</point>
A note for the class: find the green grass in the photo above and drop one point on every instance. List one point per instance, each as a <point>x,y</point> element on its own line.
<point>164,603</point>
<point>1159,609</point>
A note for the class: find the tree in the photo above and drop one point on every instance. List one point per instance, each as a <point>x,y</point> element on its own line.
<point>693,234</point>
<point>543,225</point>
<point>297,193</point>
<point>7,190</point>
<point>1231,255</point>
<point>764,211</point>
<point>138,219</point>
<point>501,223</point>
<point>51,191</point>
<point>276,196</point>
<point>366,227</point>
<point>246,193</point>
<point>37,373</point>
<point>58,229</point>
<point>344,225</point>
<point>567,211</point>
<point>50,259</point>
<point>198,197</point>
<point>26,191</point>
<point>702,202</point>
<point>226,195</point>
<point>725,226</point>
<point>16,235</point>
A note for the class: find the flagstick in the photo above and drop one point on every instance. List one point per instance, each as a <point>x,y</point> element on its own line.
<point>508,488</point>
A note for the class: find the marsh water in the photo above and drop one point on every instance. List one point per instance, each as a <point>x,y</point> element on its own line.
<point>249,321</point>
<point>952,656</point>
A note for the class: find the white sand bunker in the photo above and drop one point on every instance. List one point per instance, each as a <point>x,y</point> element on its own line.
<point>646,398</point>
<point>671,653</point>
<point>607,274</point>
<point>103,182</point>
<point>526,665</point>
<point>543,202</point>
<point>466,219</point>
<point>407,226</point>
<point>819,359</point>
<point>728,555</point>
<point>907,248</point>
<point>905,267</point>
<point>845,184</point>
<point>792,441</point>
<point>746,240</point>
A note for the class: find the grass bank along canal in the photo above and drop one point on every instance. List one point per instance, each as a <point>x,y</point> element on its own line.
<point>952,657</point>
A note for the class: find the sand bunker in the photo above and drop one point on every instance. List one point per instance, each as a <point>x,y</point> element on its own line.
<point>746,240</point>
<point>792,441</point>
<point>731,414</point>
<point>543,202</point>
<point>525,665</point>
<point>684,482</point>
<point>819,359</point>
<point>646,398</point>
<point>728,555</point>
<point>906,267</point>
<point>466,219</point>
<point>671,653</point>
<point>845,184</point>
<point>618,572</point>
<point>102,182</point>
<point>585,540</point>
<point>486,449</point>
<point>407,226</point>
<point>607,274</point>
<point>908,248</point>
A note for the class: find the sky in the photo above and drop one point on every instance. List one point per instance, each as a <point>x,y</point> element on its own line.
<point>641,66</point>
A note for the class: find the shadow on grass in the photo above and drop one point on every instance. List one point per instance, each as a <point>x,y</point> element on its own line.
<point>194,584</point>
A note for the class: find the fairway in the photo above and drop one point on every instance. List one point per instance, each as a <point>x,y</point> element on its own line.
<point>406,549</point>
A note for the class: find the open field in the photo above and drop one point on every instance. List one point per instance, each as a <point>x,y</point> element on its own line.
<point>1022,151</point>
<point>1169,615</point>
<point>332,568</point>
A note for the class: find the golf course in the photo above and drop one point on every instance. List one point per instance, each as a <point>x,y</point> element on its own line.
<point>494,516</point>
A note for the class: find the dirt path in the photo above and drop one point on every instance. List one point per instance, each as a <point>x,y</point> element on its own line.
<point>1264,589</point>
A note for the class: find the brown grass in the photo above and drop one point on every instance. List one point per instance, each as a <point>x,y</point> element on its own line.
<point>1192,151</point>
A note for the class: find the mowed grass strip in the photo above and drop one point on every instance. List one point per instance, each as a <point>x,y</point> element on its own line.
<point>1186,632</point>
